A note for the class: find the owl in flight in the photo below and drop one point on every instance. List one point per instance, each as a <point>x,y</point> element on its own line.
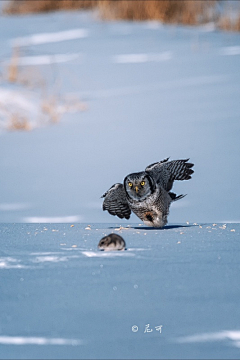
<point>147,193</point>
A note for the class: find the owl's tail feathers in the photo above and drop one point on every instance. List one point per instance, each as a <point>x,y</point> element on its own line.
<point>174,197</point>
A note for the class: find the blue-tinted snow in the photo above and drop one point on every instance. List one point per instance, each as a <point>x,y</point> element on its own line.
<point>174,293</point>
<point>151,90</point>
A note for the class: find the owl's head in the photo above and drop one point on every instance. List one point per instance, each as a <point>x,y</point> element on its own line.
<point>139,186</point>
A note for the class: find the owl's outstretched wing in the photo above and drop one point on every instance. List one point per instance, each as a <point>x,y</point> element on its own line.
<point>115,202</point>
<point>165,172</point>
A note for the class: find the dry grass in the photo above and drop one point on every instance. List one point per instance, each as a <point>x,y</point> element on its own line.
<point>170,11</point>
<point>238,24</point>
<point>225,23</point>
<point>35,6</point>
<point>12,118</point>
<point>18,122</point>
<point>173,11</point>
<point>54,106</point>
<point>188,12</point>
<point>50,103</point>
<point>28,76</point>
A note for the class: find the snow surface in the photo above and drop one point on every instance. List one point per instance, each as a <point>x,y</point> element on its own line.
<point>174,293</point>
<point>151,91</point>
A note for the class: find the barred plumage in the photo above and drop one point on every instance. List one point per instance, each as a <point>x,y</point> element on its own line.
<point>116,202</point>
<point>147,193</point>
<point>165,172</point>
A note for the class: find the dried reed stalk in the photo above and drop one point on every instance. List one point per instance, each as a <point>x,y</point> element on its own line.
<point>13,66</point>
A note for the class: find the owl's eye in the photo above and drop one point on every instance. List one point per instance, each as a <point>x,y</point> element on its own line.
<point>130,184</point>
<point>143,183</point>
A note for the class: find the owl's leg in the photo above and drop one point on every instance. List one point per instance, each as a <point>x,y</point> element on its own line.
<point>154,219</point>
<point>148,216</point>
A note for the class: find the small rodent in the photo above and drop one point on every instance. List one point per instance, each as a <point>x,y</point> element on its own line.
<point>112,242</point>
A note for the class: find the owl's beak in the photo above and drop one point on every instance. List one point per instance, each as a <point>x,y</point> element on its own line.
<point>136,188</point>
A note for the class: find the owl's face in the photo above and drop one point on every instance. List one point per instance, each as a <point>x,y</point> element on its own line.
<point>138,186</point>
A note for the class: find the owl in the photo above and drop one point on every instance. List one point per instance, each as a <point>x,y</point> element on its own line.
<point>147,193</point>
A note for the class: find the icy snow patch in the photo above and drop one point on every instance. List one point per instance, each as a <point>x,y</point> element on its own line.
<point>51,258</point>
<point>230,50</point>
<point>153,24</point>
<point>10,263</point>
<point>56,219</point>
<point>232,335</point>
<point>44,38</point>
<point>24,340</point>
<point>46,59</point>
<point>106,253</point>
<point>142,58</point>
<point>10,98</point>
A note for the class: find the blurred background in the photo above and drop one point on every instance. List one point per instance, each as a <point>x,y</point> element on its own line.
<point>91,91</point>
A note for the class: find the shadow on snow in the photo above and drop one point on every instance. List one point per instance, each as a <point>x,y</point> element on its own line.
<point>167,227</point>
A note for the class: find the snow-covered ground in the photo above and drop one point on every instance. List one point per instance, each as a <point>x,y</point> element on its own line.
<point>150,91</point>
<point>174,293</point>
